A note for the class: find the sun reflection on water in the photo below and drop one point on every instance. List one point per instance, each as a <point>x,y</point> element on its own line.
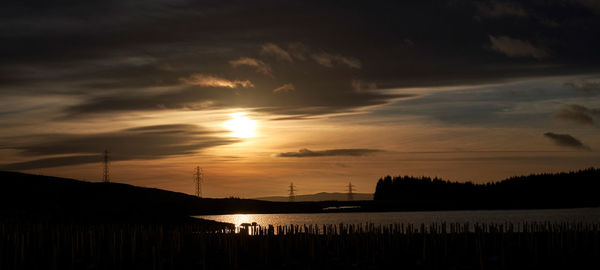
<point>238,219</point>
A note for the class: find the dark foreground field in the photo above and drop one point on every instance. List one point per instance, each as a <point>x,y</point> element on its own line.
<point>444,246</point>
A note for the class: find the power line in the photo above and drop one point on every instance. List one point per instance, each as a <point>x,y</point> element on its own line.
<point>198,179</point>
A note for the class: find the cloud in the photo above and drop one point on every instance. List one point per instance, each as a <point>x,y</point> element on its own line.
<point>274,50</point>
<point>566,140</point>
<point>349,61</point>
<point>331,152</point>
<point>109,63</point>
<point>327,60</point>
<point>52,162</point>
<point>512,47</point>
<point>584,86</point>
<point>594,5</point>
<point>298,50</point>
<point>577,114</point>
<point>284,88</point>
<point>323,59</point>
<point>319,98</point>
<point>260,66</point>
<point>140,143</point>
<point>407,43</point>
<point>189,38</point>
<point>213,81</point>
<point>499,9</point>
<point>363,86</point>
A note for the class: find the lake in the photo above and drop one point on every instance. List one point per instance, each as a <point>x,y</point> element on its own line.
<point>585,215</point>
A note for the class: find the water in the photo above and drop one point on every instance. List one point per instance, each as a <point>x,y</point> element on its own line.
<point>585,215</point>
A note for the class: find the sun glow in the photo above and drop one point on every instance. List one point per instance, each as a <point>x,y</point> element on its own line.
<point>241,126</point>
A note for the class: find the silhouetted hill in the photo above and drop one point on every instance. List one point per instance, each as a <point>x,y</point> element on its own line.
<point>37,197</point>
<point>53,198</point>
<point>322,196</point>
<point>559,190</point>
<point>44,198</point>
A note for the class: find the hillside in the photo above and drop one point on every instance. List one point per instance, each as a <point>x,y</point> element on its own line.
<point>44,198</point>
<point>322,196</point>
<point>37,197</point>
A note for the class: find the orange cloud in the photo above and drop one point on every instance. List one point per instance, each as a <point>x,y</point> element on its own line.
<point>272,49</point>
<point>284,88</point>
<point>516,48</point>
<point>214,81</point>
<point>260,66</point>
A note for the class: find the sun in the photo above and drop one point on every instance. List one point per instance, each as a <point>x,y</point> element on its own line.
<point>240,125</point>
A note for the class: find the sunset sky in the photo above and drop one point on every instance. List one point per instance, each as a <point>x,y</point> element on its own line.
<point>263,93</point>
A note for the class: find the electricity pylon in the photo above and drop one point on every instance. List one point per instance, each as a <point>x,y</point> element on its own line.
<point>105,175</point>
<point>198,178</point>
<point>292,190</point>
<point>350,194</point>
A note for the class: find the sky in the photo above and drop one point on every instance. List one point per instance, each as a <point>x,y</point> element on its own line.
<point>260,94</point>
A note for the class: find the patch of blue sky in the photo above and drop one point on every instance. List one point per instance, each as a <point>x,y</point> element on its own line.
<point>529,103</point>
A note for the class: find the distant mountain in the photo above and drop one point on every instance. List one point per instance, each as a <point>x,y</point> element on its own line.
<point>323,196</point>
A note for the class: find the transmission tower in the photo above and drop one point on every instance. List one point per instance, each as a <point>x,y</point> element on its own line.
<point>105,175</point>
<point>198,179</point>
<point>350,194</point>
<point>292,190</point>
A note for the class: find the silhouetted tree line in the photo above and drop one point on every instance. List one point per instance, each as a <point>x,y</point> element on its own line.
<point>547,190</point>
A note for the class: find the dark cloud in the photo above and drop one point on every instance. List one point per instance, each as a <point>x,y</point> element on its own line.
<point>592,4</point>
<point>577,114</point>
<point>148,142</point>
<point>496,8</point>
<point>328,60</point>
<point>210,92</point>
<point>110,54</point>
<point>327,89</point>
<point>589,87</point>
<point>294,117</point>
<point>566,140</point>
<point>298,50</point>
<point>52,162</point>
<point>331,152</point>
